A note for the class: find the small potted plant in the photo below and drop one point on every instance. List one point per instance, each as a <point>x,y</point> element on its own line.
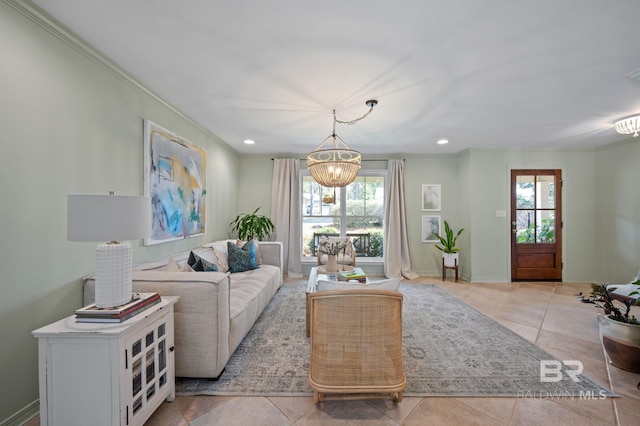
<point>448,245</point>
<point>332,248</point>
<point>252,225</point>
<point>619,329</point>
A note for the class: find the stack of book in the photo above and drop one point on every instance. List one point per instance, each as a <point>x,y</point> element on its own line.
<point>357,274</point>
<point>139,303</point>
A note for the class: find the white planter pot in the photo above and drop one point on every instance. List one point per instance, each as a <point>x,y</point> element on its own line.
<point>450,259</point>
<point>621,341</point>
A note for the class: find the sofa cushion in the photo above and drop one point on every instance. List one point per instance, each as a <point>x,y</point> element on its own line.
<point>242,259</point>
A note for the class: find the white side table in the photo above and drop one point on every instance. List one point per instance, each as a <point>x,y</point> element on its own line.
<point>106,374</point>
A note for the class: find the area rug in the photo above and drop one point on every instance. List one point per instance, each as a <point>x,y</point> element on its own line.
<point>449,349</point>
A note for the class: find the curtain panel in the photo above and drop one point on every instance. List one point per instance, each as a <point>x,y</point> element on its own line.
<point>286,214</point>
<point>397,259</point>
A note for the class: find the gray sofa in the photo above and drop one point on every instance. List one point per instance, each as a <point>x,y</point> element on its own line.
<point>216,309</point>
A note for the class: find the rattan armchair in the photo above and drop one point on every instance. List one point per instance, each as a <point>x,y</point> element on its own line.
<point>356,345</point>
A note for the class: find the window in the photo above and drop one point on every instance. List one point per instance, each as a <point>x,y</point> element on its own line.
<point>356,210</point>
<point>535,209</point>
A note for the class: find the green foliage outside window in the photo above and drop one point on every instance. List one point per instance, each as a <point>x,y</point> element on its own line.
<point>546,233</point>
<point>375,247</point>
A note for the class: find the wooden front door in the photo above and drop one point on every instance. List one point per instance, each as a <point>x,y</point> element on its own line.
<point>536,225</point>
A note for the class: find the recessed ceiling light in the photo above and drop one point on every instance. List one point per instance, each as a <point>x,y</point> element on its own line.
<point>443,142</point>
<point>249,141</point>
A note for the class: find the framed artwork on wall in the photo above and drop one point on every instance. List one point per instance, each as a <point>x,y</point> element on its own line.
<point>175,180</point>
<point>431,197</point>
<point>430,227</point>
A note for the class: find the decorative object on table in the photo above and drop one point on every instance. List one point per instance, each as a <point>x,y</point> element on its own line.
<point>343,268</point>
<point>332,263</point>
<point>619,329</point>
<point>337,166</point>
<point>140,302</point>
<point>448,245</point>
<point>175,180</point>
<point>430,229</point>
<point>111,218</point>
<point>431,197</point>
<point>252,225</point>
<point>356,274</point>
<point>335,250</point>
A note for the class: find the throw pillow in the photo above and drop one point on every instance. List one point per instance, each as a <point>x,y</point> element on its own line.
<point>241,260</point>
<point>242,244</point>
<point>172,265</point>
<point>199,264</point>
<point>220,254</point>
<point>392,284</point>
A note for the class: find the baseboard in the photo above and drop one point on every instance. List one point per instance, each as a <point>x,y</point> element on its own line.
<point>23,416</point>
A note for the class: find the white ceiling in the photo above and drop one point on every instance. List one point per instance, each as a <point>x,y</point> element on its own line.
<point>481,73</point>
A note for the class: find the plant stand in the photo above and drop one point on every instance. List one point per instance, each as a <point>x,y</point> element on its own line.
<point>444,270</point>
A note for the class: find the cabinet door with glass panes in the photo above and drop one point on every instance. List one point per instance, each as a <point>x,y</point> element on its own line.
<point>148,370</point>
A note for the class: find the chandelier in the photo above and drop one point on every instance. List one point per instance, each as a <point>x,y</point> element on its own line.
<point>628,125</point>
<point>338,165</point>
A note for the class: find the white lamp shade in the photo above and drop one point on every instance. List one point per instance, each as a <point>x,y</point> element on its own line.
<point>107,217</point>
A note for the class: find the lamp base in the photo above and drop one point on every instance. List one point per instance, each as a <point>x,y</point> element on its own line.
<point>113,274</point>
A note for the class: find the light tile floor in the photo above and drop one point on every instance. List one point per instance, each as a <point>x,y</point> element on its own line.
<point>548,314</point>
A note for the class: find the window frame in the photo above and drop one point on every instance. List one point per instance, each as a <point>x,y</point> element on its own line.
<point>343,206</point>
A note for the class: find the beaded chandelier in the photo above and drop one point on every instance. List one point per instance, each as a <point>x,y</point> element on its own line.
<point>628,125</point>
<point>338,165</point>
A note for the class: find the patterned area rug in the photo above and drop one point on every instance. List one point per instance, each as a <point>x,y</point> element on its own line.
<point>450,349</point>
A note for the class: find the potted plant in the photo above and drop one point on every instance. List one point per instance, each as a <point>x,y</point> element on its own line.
<point>252,225</point>
<point>448,245</point>
<point>332,249</point>
<point>619,329</point>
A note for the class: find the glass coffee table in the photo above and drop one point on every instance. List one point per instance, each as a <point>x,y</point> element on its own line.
<point>316,275</point>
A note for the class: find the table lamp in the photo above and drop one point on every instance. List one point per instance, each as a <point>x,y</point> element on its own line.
<point>110,218</point>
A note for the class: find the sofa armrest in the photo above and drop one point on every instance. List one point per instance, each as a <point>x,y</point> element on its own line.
<point>202,316</point>
<point>271,252</point>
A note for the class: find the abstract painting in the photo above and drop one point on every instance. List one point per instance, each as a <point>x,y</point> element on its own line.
<point>175,180</point>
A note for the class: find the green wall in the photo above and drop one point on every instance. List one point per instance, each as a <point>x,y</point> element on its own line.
<point>489,191</point>
<point>617,222</point>
<point>71,124</point>
<point>601,196</point>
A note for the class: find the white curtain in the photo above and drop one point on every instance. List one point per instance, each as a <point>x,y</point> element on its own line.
<point>397,260</point>
<point>285,212</point>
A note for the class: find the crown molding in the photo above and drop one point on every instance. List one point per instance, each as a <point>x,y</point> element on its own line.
<point>64,34</point>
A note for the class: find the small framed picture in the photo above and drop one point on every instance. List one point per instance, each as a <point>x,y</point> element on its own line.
<point>431,197</point>
<point>430,227</point>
